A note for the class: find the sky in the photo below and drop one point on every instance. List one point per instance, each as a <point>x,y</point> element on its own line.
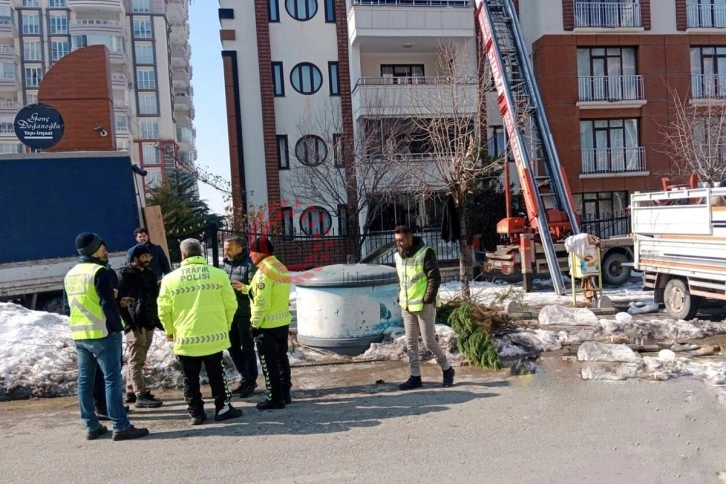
<point>209,101</point>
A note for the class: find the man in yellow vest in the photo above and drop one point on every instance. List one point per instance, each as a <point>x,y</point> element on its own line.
<point>96,328</point>
<point>419,279</point>
<point>196,307</point>
<point>269,293</point>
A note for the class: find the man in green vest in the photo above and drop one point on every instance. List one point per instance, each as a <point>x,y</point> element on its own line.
<point>196,307</point>
<point>96,328</point>
<point>419,279</point>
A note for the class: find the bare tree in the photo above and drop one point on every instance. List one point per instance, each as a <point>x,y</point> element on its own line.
<point>695,139</point>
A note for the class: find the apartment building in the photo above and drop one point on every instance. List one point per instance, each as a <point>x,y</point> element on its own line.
<point>148,43</point>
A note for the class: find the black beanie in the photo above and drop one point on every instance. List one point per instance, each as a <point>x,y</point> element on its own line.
<point>87,243</point>
<point>263,245</point>
<point>139,250</point>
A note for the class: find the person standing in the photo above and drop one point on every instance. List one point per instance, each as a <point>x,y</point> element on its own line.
<point>96,331</point>
<point>196,307</point>
<point>159,261</point>
<point>419,279</point>
<point>239,268</point>
<point>138,290</point>
<point>270,295</point>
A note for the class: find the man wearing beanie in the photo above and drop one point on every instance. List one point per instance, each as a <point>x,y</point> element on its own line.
<point>270,295</point>
<point>96,330</point>
<point>159,262</point>
<point>137,293</point>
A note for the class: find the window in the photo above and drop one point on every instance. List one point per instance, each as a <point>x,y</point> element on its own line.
<point>149,129</point>
<point>310,150</point>
<point>283,154</point>
<point>287,226</point>
<point>151,154</point>
<point>706,13</point>
<point>334,78</point>
<point>58,24</point>
<point>152,179</point>
<point>31,23</point>
<point>31,3</point>
<point>11,148</point>
<point>342,219</point>
<point>301,9</point>
<point>144,52</point>
<point>403,73</point>
<point>121,122</point>
<point>7,125</point>
<point>31,98</point>
<point>274,10</point>
<point>141,6</point>
<point>185,135</point>
<point>315,221</point>
<point>145,78</point>
<point>278,79</point>
<point>7,70</point>
<point>58,49</point>
<point>56,3</point>
<point>604,214</point>
<point>306,78</point>
<point>147,104</point>
<point>6,16</point>
<point>708,72</point>
<point>610,146</point>
<point>496,143</point>
<point>114,43</point>
<point>32,50</point>
<point>608,74</point>
<point>142,28</point>
<point>33,76</point>
<point>330,11</point>
<point>338,159</point>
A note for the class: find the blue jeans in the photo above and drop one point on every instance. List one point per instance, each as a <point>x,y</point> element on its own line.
<point>107,351</point>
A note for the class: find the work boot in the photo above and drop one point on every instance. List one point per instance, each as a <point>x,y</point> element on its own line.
<point>448,377</point>
<point>130,433</point>
<point>227,413</point>
<point>147,400</point>
<point>411,383</point>
<point>245,390</point>
<point>270,405</point>
<point>130,397</point>
<point>199,418</point>
<point>94,434</point>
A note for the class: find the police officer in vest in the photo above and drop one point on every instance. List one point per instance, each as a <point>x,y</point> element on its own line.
<point>419,279</point>
<point>196,306</point>
<point>96,328</point>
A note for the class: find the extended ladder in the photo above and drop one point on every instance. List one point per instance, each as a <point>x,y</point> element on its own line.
<point>523,113</point>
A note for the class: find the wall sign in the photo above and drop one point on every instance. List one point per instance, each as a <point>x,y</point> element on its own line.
<point>39,126</point>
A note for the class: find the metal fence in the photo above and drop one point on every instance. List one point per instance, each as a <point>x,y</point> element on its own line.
<point>445,251</point>
<point>607,227</point>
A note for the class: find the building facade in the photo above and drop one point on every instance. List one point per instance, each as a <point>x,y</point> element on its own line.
<point>148,44</point>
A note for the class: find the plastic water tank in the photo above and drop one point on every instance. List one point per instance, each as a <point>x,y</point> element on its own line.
<point>346,307</point>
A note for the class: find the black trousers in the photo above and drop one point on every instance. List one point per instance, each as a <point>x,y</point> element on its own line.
<point>191,366</point>
<point>272,347</point>
<point>242,349</point>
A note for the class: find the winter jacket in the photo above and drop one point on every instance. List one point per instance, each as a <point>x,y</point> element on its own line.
<point>430,268</point>
<point>241,269</point>
<point>144,288</point>
<point>159,262</point>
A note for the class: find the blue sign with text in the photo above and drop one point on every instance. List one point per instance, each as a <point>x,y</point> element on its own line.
<point>39,126</point>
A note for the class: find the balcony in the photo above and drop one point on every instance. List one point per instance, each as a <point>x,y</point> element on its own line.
<point>9,107</point>
<point>8,53</point>
<point>607,15</point>
<point>182,103</point>
<point>414,96</point>
<point>119,79</point>
<point>180,56</point>
<point>371,20</point>
<point>7,27</point>
<point>180,78</point>
<point>708,86</point>
<point>609,161</point>
<point>179,34</point>
<point>8,79</point>
<point>96,26</point>
<point>121,105</point>
<point>706,16</point>
<point>154,7</point>
<point>597,92</point>
<point>96,6</point>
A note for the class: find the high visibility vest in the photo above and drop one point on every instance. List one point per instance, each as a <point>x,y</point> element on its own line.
<point>270,295</point>
<point>88,320</point>
<point>412,279</point>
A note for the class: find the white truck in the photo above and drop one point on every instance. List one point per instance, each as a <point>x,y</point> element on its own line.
<point>680,245</point>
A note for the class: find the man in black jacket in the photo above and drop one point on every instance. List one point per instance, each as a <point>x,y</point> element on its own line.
<point>137,293</point>
<point>159,262</point>
<point>239,267</point>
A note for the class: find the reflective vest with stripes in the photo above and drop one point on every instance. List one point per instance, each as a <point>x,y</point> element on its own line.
<point>412,279</point>
<point>270,294</point>
<point>88,320</point>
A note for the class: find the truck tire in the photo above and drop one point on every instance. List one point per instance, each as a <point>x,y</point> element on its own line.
<point>678,300</point>
<point>614,273</point>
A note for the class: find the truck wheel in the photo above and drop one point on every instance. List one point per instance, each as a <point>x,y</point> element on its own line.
<point>614,273</point>
<point>678,301</point>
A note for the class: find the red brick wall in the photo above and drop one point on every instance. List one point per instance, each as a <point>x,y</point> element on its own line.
<point>79,87</point>
<point>568,14</point>
<point>681,15</point>
<point>645,13</point>
<point>233,129</point>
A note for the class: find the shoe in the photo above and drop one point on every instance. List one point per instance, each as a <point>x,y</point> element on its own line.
<point>147,400</point>
<point>270,405</point>
<point>448,377</point>
<point>227,413</point>
<point>130,433</point>
<point>130,397</point>
<point>199,419</point>
<point>411,383</point>
<point>94,434</point>
<point>288,398</point>
<point>245,390</point>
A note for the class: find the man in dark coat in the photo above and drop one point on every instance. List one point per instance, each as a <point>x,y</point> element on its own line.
<point>159,261</point>
<point>240,269</point>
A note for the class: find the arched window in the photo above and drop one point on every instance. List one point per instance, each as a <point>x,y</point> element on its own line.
<point>315,221</point>
<point>306,78</point>
<point>301,9</point>
<point>311,150</point>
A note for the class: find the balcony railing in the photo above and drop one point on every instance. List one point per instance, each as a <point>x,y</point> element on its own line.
<point>611,88</point>
<point>706,16</point>
<point>613,160</point>
<point>412,81</point>
<point>607,14</point>
<point>414,3</point>
<point>92,22</point>
<point>708,86</point>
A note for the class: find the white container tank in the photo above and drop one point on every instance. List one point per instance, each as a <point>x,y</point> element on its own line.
<point>346,307</point>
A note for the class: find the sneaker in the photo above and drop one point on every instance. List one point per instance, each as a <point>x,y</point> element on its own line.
<point>245,390</point>
<point>130,433</point>
<point>448,377</point>
<point>411,383</point>
<point>199,419</point>
<point>227,413</point>
<point>130,397</point>
<point>270,405</point>
<point>147,400</point>
<point>94,434</point>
